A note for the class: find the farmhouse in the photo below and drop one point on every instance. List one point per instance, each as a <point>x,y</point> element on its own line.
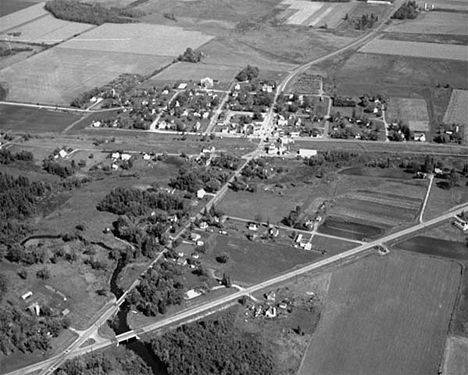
<point>253,226</point>
<point>192,293</point>
<point>461,224</point>
<point>203,225</point>
<point>201,193</point>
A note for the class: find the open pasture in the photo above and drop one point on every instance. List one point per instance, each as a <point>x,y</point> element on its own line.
<point>58,75</point>
<point>433,23</point>
<point>22,16</point>
<point>47,30</point>
<point>411,111</point>
<point>12,6</point>
<point>139,38</point>
<point>416,49</point>
<point>306,13</point>
<point>457,110</point>
<point>195,72</point>
<point>377,207</point>
<point>385,315</point>
<point>28,119</point>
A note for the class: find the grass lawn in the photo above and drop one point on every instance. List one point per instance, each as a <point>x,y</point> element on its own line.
<point>26,119</point>
<point>385,315</point>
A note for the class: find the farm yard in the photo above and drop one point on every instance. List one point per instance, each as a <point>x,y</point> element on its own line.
<point>46,30</point>
<point>58,75</point>
<point>26,119</point>
<point>449,5</point>
<point>195,72</point>
<point>154,40</point>
<point>22,16</point>
<point>416,49</point>
<point>316,14</point>
<point>457,110</point>
<point>385,315</point>
<point>447,23</point>
<point>411,111</point>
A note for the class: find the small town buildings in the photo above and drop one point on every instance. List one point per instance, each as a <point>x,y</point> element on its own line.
<point>182,86</point>
<point>306,153</point>
<point>253,227</point>
<point>203,225</point>
<point>26,295</point>
<point>201,193</point>
<point>34,308</point>
<point>271,312</point>
<point>181,261</point>
<point>192,293</point>
<point>195,236</point>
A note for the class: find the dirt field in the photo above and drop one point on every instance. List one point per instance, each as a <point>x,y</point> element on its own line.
<point>195,72</point>
<point>385,315</point>
<point>434,246</point>
<point>415,49</point>
<point>58,75</point>
<point>19,119</point>
<point>456,360</point>
<point>433,23</point>
<point>314,14</point>
<point>411,111</point>
<point>457,110</point>
<point>47,30</point>
<point>21,16</point>
<point>138,38</point>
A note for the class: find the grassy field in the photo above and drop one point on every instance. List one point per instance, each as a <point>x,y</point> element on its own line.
<point>22,16</point>
<point>457,110</point>
<point>456,360</point>
<point>11,6</point>
<point>415,49</point>
<point>441,200</point>
<point>58,75</point>
<point>446,23</point>
<point>27,119</point>
<point>48,30</point>
<point>195,72</point>
<point>385,315</point>
<point>138,38</point>
<point>411,111</point>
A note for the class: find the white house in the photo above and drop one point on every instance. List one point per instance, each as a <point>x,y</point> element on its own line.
<point>195,236</point>
<point>62,153</point>
<point>192,293</point>
<point>201,193</point>
<point>115,155</point>
<point>146,157</point>
<point>182,86</point>
<point>306,153</point>
<point>203,225</point>
<point>253,226</point>
<point>125,157</point>
<point>25,296</point>
<point>461,224</point>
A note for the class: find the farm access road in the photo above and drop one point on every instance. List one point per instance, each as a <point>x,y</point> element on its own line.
<point>209,306</point>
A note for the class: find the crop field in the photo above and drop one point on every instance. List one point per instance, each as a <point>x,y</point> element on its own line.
<point>447,23</point>
<point>195,72</point>
<point>385,315</point>
<point>434,246</point>
<point>416,49</point>
<point>411,111</point>
<point>377,207</point>
<point>456,360</point>
<point>58,75</point>
<point>457,110</point>
<point>298,12</point>
<point>47,30</point>
<point>138,38</point>
<point>22,16</point>
<point>27,119</point>
<point>11,6</point>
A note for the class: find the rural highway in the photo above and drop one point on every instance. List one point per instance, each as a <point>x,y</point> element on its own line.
<point>219,302</point>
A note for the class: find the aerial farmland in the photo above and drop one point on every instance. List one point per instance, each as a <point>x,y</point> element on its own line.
<point>233,187</point>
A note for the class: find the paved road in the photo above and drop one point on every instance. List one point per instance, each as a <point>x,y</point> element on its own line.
<point>268,283</point>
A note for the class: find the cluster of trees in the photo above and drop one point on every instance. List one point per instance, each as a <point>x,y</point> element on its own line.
<point>8,157</point>
<point>135,202</point>
<point>293,220</point>
<point>120,360</point>
<point>63,171</point>
<point>248,73</point>
<point>399,132</point>
<point>192,180</point>
<point>160,287</point>
<point>213,346</point>
<point>18,199</point>
<point>244,100</point>
<point>24,331</point>
<point>256,168</point>
<point>190,56</point>
<point>366,21</point>
<point>86,13</point>
<point>408,10</point>
<point>339,101</point>
<point>282,106</point>
<point>226,161</point>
